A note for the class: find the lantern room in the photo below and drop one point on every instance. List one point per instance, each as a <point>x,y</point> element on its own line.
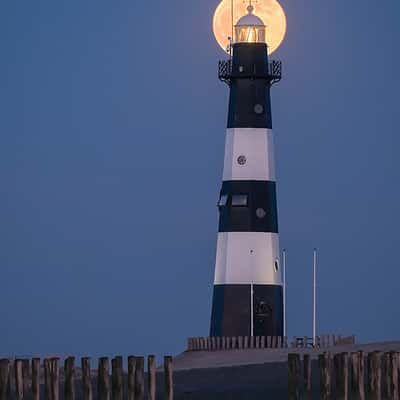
<point>250,28</point>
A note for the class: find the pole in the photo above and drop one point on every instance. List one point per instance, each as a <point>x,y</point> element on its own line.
<point>251,296</point>
<point>314,296</point>
<point>284,292</point>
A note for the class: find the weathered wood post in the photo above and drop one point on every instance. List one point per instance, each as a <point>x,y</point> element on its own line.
<point>234,342</point>
<point>55,378</point>
<point>151,376</point>
<point>139,378</point>
<point>325,375</point>
<point>386,381</point>
<point>131,377</point>
<point>47,379</point>
<point>4,373</point>
<point>103,379</point>
<point>26,378</point>
<point>168,379</point>
<point>86,379</point>
<point>69,378</point>
<point>357,376</point>
<point>117,378</point>
<point>35,378</point>
<point>293,376</point>
<point>374,375</point>
<point>307,377</point>
<point>341,362</point>
<point>393,376</point>
<point>19,380</point>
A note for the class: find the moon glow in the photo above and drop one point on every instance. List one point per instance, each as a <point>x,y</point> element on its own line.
<point>270,11</point>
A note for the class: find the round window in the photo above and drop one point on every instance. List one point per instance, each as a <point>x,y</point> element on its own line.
<point>260,212</point>
<point>258,109</point>
<point>241,160</point>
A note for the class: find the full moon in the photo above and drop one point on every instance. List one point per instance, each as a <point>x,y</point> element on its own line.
<point>270,11</point>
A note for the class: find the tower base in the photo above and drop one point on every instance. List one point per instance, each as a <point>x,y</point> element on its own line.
<point>231,310</point>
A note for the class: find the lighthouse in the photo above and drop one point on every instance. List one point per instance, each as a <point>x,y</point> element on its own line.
<point>248,289</point>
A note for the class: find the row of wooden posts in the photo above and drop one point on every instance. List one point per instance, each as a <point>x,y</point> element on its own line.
<point>239,342</point>
<point>27,379</point>
<point>322,341</point>
<point>265,342</point>
<point>348,376</point>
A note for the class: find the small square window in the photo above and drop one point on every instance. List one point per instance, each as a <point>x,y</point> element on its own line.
<point>223,200</point>
<point>239,200</point>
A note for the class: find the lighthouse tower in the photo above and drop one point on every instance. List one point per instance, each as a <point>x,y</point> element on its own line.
<point>248,291</point>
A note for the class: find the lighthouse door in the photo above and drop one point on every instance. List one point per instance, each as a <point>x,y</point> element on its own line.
<point>262,318</point>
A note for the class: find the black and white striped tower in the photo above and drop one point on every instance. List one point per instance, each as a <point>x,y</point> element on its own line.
<point>248,291</point>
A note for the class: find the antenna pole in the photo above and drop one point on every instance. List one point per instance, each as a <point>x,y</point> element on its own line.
<point>231,22</point>
<point>314,296</point>
<point>251,295</point>
<point>284,292</point>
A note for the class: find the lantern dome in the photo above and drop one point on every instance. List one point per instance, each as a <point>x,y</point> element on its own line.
<point>250,28</point>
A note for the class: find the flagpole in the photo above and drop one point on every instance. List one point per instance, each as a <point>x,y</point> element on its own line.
<point>315,297</point>
<point>284,292</point>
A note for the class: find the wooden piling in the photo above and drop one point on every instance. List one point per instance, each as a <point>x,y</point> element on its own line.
<point>234,343</point>
<point>213,343</point>
<point>240,342</point>
<point>223,342</point>
<point>4,375</point>
<point>325,375</point>
<point>131,377</point>
<point>87,391</point>
<point>341,362</point>
<point>393,374</point>
<point>251,342</point>
<point>386,381</point>
<point>47,379</point>
<point>69,378</point>
<point>357,376</point>
<point>103,379</point>
<point>293,376</point>
<point>269,342</point>
<point>151,376</point>
<point>35,378</point>
<point>19,380</point>
<point>168,379</point>
<point>55,378</point>
<point>26,381</point>
<point>374,375</point>
<point>117,378</point>
<point>139,378</point>
<point>307,377</point>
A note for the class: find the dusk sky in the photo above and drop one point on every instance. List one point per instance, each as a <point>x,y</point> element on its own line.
<point>112,132</point>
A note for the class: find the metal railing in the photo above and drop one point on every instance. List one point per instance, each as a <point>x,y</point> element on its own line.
<point>226,74</point>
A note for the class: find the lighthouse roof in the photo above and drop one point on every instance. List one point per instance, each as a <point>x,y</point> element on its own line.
<point>250,19</point>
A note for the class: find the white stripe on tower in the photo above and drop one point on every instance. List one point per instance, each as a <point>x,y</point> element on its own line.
<point>257,146</point>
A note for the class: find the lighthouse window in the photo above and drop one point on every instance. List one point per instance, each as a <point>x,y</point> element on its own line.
<point>223,200</point>
<point>239,200</point>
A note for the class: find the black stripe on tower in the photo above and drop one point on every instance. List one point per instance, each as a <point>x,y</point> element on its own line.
<point>248,206</point>
<point>249,98</point>
<point>231,310</point>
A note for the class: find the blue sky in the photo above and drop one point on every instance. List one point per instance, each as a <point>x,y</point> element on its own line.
<point>111,150</point>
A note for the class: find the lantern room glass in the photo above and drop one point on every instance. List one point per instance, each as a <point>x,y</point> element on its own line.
<point>250,34</point>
